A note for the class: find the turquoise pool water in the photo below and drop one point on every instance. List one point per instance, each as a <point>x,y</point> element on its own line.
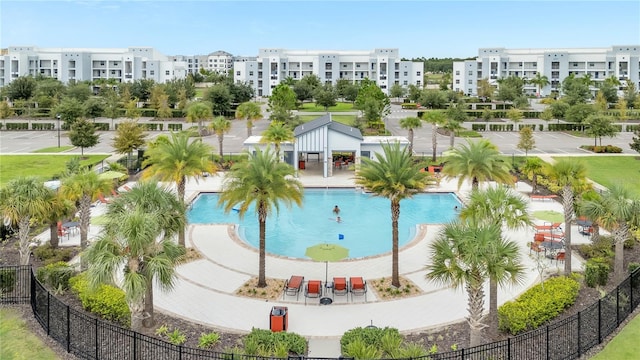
<point>365,228</point>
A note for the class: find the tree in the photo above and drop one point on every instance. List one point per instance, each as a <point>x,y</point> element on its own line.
<point>609,88</point>
<point>59,208</point>
<point>23,200</point>
<point>397,91</point>
<point>94,107</point>
<point>533,167</point>
<point>414,93</point>
<point>410,123</point>
<point>395,176</point>
<point>599,125</point>
<point>240,93</point>
<point>576,90</point>
<point>129,137</point>
<point>539,81</point>
<point>510,88</point>
<point>198,112</point>
<point>433,99</point>
<point>265,182</point>
<point>83,134</point>
<point>5,110</point>
<point>477,161</point>
<point>70,110</point>
<point>22,88</point>
<point>546,114</point>
<point>630,92</point>
<point>84,188</point>
<point>276,134</point>
<point>220,126</point>
<point>501,207</point>
<point>250,111</point>
<point>601,101</point>
<point>136,249</point>
<point>452,126</point>
<point>219,98</point>
<point>141,89</point>
<point>157,92</point>
<point>621,106</point>
<point>304,91</point>
<point>131,110</point>
<point>635,144</point>
<point>617,210</point>
<point>164,111</point>
<point>435,118</point>
<point>527,142</point>
<point>559,109</point>
<point>372,101</point>
<point>568,174</point>
<point>579,112</point>
<point>79,91</point>
<point>459,258</point>
<point>485,89</point>
<point>177,160</point>
<point>326,96</point>
<point>282,97</point>
<point>515,115</point>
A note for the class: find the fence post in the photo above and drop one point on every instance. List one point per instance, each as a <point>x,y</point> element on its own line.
<point>547,342</point>
<point>599,321</point>
<point>617,305</point>
<point>96,335</point>
<point>579,328</point>
<point>32,286</point>
<point>509,348</point>
<point>48,311</point>
<point>68,330</point>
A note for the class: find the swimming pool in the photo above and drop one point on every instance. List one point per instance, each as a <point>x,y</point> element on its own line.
<point>365,228</point>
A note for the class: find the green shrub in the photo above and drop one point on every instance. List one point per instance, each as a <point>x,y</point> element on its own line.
<point>268,343</point>
<point>176,337</point>
<point>208,340</point>
<point>106,301</point>
<point>410,106</point>
<point>49,255</point>
<point>56,275</point>
<point>607,149</point>
<point>359,349</point>
<point>538,305</point>
<point>602,248</point>
<point>7,280</point>
<point>596,272</point>
<point>369,336</point>
<point>633,266</point>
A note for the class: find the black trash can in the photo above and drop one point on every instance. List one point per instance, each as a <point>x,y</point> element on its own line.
<point>278,318</point>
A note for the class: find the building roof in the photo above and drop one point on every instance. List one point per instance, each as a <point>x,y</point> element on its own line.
<point>325,120</point>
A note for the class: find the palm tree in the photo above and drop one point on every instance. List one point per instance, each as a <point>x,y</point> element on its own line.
<point>568,174</point>
<point>540,81</point>
<point>250,111</point>
<point>277,133</point>
<point>220,126</point>
<point>178,159</point>
<point>461,256</point>
<point>435,118</point>
<point>265,182</point>
<point>59,208</point>
<point>138,239</point>
<point>498,206</point>
<point>84,188</point>
<point>198,112</point>
<point>394,176</point>
<point>616,210</point>
<point>533,167</point>
<point>22,201</point>
<point>478,161</point>
<point>411,123</point>
<point>452,126</point>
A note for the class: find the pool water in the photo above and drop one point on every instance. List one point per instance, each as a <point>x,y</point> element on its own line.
<point>365,228</point>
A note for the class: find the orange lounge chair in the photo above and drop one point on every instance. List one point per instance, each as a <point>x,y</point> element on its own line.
<point>340,286</point>
<point>114,193</point>
<point>293,285</point>
<point>102,199</point>
<point>549,227</point>
<point>543,197</point>
<point>551,236</point>
<point>313,290</point>
<point>358,287</point>
<point>560,257</point>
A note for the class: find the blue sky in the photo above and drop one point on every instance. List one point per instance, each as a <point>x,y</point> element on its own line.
<point>418,28</point>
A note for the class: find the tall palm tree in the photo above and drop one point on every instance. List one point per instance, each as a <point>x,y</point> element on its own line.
<point>198,112</point>
<point>533,167</point>
<point>461,256</point>
<point>616,210</point>
<point>84,188</point>
<point>265,182</point>
<point>498,206</point>
<point>435,118</point>
<point>22,201</point>
<point>568,174</point>
<point>395,176</point>
<point>410,123</point>
<point>220,126</point>
<point>177,160</point>
<point>540,81</point>
<point>277,133</point>
<point>477,161</point>
<point>452,126</point>
<point>250,111</point>
<point>137,238</point>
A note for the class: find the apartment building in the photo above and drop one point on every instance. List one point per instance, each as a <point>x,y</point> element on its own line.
<point>272,66</point>
<point>84,64</point>
<point>619,61</point>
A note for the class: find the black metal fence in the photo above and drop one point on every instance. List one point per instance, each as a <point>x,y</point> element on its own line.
<point>88,337</point>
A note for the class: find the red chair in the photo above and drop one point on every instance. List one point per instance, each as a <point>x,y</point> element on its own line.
<point>293,285</point>
<point>102,199</point>
<point>358,287</point>
<point>560,257</point>
<point>313,290</point>
<point>340,286</point>
<point>62,231</point>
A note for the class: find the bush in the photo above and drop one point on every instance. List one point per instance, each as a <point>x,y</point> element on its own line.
<point>56,275</point>
<point>17,126</point>
<point>42,126</point>
<point>7,280</point>
<point>596,272</point>
<point>538,305</point>
<point>269,342</point>
<point>357,339</point>
<point>602,248</point>
<point>208,340</point>
<point>49,255</point>
<point>633,266</point>
<point>106,301</point>
<point>410,106</point>
<point>607,149</point>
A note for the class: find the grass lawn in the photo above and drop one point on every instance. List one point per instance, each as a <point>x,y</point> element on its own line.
<point>200,92</point>
<point>624,345</point>
<point>43,166</point>
<point>607,170</point>
<point>344,119</point>
<point>18,342</point>
<point>54,149</point>
<point>341,106</point>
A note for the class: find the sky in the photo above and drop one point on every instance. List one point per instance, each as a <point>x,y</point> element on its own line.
<point>417,28</point>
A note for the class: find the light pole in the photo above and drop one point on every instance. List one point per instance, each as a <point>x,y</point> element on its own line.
<point>58,117</point>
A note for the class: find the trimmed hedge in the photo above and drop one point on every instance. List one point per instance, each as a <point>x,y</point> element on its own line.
<point>410,106</point>
<point>42,126</point>
<point>567,127</point>
<point>538,305</point>
<point>271,342</point>
<point>17,126</point>
<point>107,301</point>
<point>607,149</point>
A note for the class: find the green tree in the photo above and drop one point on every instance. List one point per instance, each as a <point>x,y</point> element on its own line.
<point>22,88</point>
<point>635,144</point>
<point>80,91</point>
<point>70,110</point>
<point>559,109</point>
<point>276,134</point>
<point>630,92</point>
<point>478,161</point>
<point>533,167</point>
<point>539,81</point>
<point>485,89</point>
<point>48,92</point>
<point>5,110</point>
<point>435,118</point>
<point>250,111</point>
<point>164,111</point>
<point>546,114</point>
<point>372,101</point>
<point>83,188</point>
<point>599,125</point>
<point>282,96</point>
<point>94,107</point>
<point>395,176</point>
<point>510,88</point>
<point>220,126</point>
<point>265,182</point>
<point>59,208</point>
<point>397,91</point>
<point>326,96</point>
<point>220,99</point>
<point>579,112</point>
<point>410,123</point>
<point>157,91</point>
<point>569,175</point>
<point>129,137</point>
<point>177,160</point>
<point>433,99</point>
<point>576,90</point>
<point>609,88</point>
<point>527,142</point>
<point>23,200</point>
<point>414,93</point>
<point>198,112</point>
<point>304,91</point>
<point>129,251</point>
<point>112,106</point>
<point>131,110</point>
<point>83,134</point>
<point>445,82</point>
<point>515,115</point>
<point>621,106</point>
<point>141,89</point>
<point>601,101</point>
<point>452,126</point>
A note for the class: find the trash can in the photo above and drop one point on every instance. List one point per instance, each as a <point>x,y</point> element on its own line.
<point>278,318</point>
<point>301,164</point>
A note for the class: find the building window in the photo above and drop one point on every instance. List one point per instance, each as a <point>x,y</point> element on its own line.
<point>417,73</point>
<point>405,83</point>
<point>406,73</point>
<point>151,72</point>
<point>471,72</point>
<point>470,82</point>
<point>327,66</point>
<point>457,81</point>
<point>457,72</point>
<point>167,72</point>
<point>250,73</point>
<point>237,73</point>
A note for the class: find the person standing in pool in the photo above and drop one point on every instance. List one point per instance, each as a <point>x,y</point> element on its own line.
<point>336,210</point>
